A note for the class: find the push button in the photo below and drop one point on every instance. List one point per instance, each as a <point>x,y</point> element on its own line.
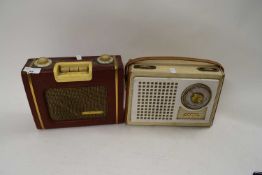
<point>73,71</point>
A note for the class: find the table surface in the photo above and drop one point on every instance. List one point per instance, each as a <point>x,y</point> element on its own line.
<point>226,31</point>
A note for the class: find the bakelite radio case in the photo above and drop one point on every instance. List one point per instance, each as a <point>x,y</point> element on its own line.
<point>172,91</point>
<point>66,92</point>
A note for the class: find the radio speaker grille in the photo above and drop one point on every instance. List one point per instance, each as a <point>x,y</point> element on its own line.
<point>155,100</point>
<point>76,103</point>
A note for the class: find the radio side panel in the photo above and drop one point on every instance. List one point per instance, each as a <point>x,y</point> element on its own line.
<point>31,100</point>
<point>119,84</point>
<point>215,106</point>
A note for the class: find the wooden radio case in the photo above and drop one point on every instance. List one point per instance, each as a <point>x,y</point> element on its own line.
<point>75,91</point>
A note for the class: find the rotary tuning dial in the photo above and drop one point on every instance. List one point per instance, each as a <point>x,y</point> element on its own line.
<point>196,96</point>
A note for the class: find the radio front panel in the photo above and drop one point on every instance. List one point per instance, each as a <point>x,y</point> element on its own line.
<point>172,91</point>
<point>159,100</point>
<point>72,91</point>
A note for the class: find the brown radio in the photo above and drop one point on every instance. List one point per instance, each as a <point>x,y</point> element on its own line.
<point>74,91</point>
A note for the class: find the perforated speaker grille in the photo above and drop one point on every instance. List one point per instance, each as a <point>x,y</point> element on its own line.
<point>155,100</point>
<point>76,103</point>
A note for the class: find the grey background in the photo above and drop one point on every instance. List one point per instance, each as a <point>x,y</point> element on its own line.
<point>228,31</point>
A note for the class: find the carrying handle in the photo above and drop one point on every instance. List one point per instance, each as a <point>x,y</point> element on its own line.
<point>133,61</point>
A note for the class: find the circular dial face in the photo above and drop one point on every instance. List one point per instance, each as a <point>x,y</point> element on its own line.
<point>196,96</point>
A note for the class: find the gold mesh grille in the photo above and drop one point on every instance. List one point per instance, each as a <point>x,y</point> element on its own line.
<point>76,103</point>
<point>156,100</point>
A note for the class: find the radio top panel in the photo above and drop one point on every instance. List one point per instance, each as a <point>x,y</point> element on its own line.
<point>175,66</point>
<point>68,69</point>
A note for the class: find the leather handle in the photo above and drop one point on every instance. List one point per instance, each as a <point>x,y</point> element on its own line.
<point>133,61</point>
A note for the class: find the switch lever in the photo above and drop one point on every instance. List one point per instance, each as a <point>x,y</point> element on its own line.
<point>78,57</point>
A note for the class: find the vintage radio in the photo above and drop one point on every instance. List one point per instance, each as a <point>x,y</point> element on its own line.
<point>75,91</point>
<point>172,91</point>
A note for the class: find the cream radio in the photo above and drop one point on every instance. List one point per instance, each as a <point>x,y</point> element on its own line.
<point>172,91</point>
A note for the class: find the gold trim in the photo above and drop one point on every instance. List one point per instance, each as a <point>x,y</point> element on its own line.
<point>92,112</point>
<point>116,87</point>
<point>35,102</point>
<point>191,115</point>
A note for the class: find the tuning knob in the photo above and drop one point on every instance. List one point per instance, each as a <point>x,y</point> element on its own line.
<point>105,59</point>
<point>196,96</point>
<point>42,62</point>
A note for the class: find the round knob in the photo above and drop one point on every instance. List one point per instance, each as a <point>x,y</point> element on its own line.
<point>105,59</point>
<point>42,62</point>
<point>196,96</point>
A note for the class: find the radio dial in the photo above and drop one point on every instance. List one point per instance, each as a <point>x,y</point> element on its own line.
<point>196,96</point>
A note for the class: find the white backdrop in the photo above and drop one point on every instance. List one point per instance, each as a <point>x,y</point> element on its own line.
<point>229,31</point>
